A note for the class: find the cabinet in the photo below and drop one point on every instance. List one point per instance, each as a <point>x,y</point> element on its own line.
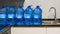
<point>53,30</point>
<point>33,30</point>
<point>28,30</point>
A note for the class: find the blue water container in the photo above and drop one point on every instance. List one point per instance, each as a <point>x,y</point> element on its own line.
<point>10,15</point>
<point>37,16</point>
<point>28,16</point>
<point>19,16</point>
<point>3,15</point>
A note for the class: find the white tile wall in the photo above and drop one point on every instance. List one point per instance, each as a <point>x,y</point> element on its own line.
<point>45,5</point>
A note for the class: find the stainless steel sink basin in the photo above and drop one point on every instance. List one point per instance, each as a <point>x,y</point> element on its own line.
<point>50,23</point>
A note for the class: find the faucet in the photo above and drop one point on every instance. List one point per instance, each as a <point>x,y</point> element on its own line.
<point>55,18</point>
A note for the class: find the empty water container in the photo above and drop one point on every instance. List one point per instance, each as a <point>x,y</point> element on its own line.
<point>28,16</point>
<point>37,16</point>
<point>19,16</point>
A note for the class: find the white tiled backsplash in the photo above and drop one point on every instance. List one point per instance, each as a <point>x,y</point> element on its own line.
<point>45,6</point>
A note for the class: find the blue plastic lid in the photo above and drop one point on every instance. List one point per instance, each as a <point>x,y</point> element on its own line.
<point>29,6</point>
<point>4,6</point>
<point>12,6</point>
<point>37,6</point>
<point>20,6</point>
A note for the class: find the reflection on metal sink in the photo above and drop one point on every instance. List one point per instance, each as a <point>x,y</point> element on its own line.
<point>51,22</point>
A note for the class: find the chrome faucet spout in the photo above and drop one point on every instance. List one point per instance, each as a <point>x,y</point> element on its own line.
<point>55,13</point>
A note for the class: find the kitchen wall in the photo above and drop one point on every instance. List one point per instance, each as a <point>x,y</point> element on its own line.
<point>45,6</point>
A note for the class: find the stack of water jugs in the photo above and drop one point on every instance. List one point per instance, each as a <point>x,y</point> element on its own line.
<point>18,16</point>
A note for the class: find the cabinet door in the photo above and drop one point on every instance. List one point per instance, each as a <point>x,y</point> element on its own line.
<point>28,30</point>
<point>53,30</point>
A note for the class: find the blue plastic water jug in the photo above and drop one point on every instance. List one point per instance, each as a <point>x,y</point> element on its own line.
<point>28,16</point>
<point>10,15</point>
<point>3,15</point>
<point>19,16</point>
<point>37,16</point>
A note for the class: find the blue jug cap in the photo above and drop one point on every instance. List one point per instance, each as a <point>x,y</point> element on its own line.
<point>12,6</point>
<point>37,6</point>
<point>4,6</point>
<point>29,6</point>
<point>20,6</point>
